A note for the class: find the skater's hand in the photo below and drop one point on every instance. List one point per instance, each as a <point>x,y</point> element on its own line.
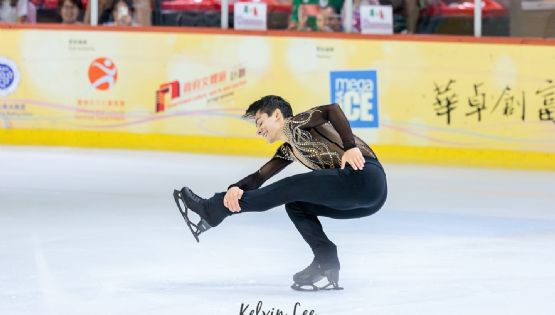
<point>231,199</point>
<point>354,157</point>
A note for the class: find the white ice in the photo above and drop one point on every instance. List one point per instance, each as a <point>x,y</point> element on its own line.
<point>97,232</point>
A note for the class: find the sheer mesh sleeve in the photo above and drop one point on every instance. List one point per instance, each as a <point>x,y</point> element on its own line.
<point>278,162</point>
<point>332,113</point>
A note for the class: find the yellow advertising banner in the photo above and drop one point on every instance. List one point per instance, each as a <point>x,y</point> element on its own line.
<point>457,102</point>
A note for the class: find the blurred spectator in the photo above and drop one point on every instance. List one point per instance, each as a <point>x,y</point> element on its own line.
<point>123,13</point>
<point>324,20</point>
<point>13,11</point>
<point>141,12</point>
<point>308,19</point>
<point>70,11</point>
<point>405,14</point>
<point>31,12</point>
<point>356,12</point>
<point>332,20</point>
<point>411,12</point>
<point>104,9</point>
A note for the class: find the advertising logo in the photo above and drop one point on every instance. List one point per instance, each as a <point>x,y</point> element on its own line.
<point>9,76</point>
<point>376,19</point>
<point>252,10</point>
<point>103,74</point>
<point>250,16</point>
<point>377,13</point>
<point>212,87</point>
<point>356,93</point>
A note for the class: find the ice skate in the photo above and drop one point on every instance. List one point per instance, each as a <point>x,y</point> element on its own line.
<point>333,279</point>
<point>306,279</point>
<point>193,202</point>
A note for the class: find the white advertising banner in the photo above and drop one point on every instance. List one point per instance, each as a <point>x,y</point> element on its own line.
<point>376,19</point>
<point>250,16</point>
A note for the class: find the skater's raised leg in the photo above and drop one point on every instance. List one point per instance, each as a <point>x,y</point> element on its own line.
<point>355,194</point>
<point>187,200</point>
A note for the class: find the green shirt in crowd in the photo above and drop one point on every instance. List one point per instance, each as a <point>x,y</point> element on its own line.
<point>336,4</point>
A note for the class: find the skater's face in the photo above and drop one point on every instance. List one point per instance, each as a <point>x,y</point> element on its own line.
<point>269,127</point>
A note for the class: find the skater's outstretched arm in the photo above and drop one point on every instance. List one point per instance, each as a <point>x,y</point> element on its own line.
<point>277,163</point>
<point>235,191</point>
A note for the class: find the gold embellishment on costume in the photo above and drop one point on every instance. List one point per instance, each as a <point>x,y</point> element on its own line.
<point>284,152</point>
<point>312,153</point>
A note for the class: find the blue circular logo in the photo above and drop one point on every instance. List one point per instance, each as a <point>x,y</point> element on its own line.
<point>9,76</point>
<point>6,76</point>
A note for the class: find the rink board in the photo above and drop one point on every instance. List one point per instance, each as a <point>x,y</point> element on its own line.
<point>465,103</point>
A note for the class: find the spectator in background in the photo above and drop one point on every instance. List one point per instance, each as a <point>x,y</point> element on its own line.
<point>332,20</point>
<point>325,19</point>
<point>70,11</point>
<point>13,11</point>
<point>356,13</point>
<point>314,21</point>
<point>104,10</point>
<point>411,12</point>
<point>123,13</point>
<point>298,20</point>
<point>142,11</point>
<point>405,14</point>
<point>31,12</point>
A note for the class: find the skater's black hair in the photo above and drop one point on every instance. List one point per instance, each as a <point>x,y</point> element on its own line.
<point>268,104</point>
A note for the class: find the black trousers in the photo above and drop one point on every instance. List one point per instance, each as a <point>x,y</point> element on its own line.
<point>334,193</point>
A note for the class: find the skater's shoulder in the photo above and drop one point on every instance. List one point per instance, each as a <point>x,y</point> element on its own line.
<point>308,112</point>
<point>285,146</point>
<point>313,113</point>
<point>284,152</point>
<point>302,118</point>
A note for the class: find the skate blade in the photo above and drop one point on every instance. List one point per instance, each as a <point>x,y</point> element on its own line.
<point>299,287</point>
<point>177,198</point>
<point>334,286</point>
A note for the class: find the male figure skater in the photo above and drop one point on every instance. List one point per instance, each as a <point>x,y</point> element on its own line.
<point>347,181</point>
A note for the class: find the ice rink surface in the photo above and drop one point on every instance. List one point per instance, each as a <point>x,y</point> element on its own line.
<point>97,232</point>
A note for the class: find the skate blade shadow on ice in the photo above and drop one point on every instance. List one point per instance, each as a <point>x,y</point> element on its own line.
<point>196,229</point>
